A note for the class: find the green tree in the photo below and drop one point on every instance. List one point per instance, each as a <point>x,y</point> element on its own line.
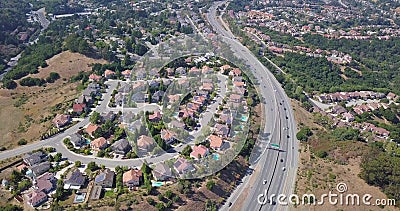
<point>57,157</point>
<point>210,184</point>
<point>95,118</point>
<point>22,142</point>
<point>92,166</point>
<point>186,151</point>
<point>52,77</point>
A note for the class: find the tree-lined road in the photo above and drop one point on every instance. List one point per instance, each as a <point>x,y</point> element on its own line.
<point>275,171</point>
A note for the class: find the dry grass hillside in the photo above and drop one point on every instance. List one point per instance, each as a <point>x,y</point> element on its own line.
<point>25,111</point>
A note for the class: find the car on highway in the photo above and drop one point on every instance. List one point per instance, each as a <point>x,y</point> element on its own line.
<point>281,160</point>
<point>283,168</point>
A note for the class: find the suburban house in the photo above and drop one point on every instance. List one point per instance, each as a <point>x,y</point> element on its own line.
<point>108,116</point>
<point>40,168</point>
<point>185,112</point>
<point>99,144</point>
<point>84,99</point>
<point>139,86</point>
<point>154,83</point>
<point>215,142</point>
<point>94,77</point>
<point>207,87</point>
<point>234,98</point>
<point>132,178</point>
<point>337,109</point>
<point>145,143</point>
<point>140,74</point>
<point>194,71</point>
<point>138,97</point>
<point>173,98</point>
<point>177,124</point>
<point>126,73</point>
<point>180,71</point>
<point>225,118</point>
<point>348,117</point>
<point>161,172</point>
<point>199,152</point>
<point>221,130</point>
<point>75,180</point>
<point>105,179</point>
<point>224,68</point>
<point>121,147</point>
<point>45,183</point>
<point>36,198</point>
<point>34,158</point>
<point>170,71</point>
<point>182,166</point>
<point>77,140</point>
<point>109,73</point>
<point>157,96</point>
<point>91,129</point>
<point>155,117</point>
<point>61,120</point>
<point>125,89</point>
<point>391,96</point>
<point>79,108</point>
<point>235,72</point>
<point>184,83</point>
<point>206,69</point>
<point>168,136</point>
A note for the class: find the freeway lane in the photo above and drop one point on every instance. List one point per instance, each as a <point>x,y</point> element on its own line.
<point>282,129</point>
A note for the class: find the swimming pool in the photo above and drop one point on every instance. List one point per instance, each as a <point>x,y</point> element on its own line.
<point>215,156</point>
<point>157,184</point>
<point>244,118</point>
<point>87,141</point>
<point>79,198</point>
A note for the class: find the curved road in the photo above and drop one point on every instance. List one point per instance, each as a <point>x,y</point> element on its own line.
<point>57,140</point>
<point>275,171</point>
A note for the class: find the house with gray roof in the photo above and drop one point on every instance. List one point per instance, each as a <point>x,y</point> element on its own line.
<point>77,140</point>
<point>40,169</point>
<point>34,158</point>
<point>75,180</point>
<point>121,147</point>
<point>161,172</point>
<point>105,179</point>
<point>138,97</point>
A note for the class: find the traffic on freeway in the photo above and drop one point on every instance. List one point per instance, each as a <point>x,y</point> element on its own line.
<point>275,169</point>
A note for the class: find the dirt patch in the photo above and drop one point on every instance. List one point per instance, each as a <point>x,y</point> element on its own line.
<point>319,176</point>
<point>26,111</point>
<point>302,116</point>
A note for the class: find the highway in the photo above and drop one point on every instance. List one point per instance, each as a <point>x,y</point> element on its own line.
<point>275,170</point>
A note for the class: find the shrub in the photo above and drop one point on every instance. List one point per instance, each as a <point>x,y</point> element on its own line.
<point>22,142</point>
